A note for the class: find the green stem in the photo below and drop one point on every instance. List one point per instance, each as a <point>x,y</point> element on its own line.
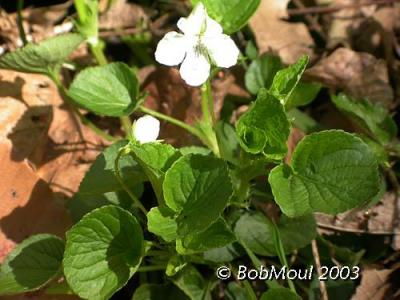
<point>249,290</point>
<point>135,200</point>
<point>172,120</point>
<point>20,6</point>
<point>257,263</point>
<point>152,268</point>
<point>126,125</point>
<point>64,95</point>
<point>98,54</point>
<point>281,254</point>
<point>209,121</point>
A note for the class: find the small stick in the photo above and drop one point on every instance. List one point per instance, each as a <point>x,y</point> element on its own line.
<point>322,286</point>
<point>332,9</point>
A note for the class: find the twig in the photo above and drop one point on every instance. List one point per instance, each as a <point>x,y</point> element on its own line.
<point>312,20</point>
<point>333,9</point>
<point>322,286</point>
<point>344,229</point>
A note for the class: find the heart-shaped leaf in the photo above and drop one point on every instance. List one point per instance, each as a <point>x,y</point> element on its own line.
<point>331,172</point>
<point>231,14</point>
<point>102,252</point>
<point>110,90</point>
<point>44,57</point>
<point>31,264</point>
<point>197,188</point>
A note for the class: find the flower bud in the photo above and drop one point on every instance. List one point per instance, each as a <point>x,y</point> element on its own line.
<point>146,129</point>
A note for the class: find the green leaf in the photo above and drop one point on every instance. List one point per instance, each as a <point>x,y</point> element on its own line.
<point>251,50</point>
<point>286,80</point>
<point>215,236</point>
<point>257,232</point>
<point>101,177</point>
<point>279,294</point>
<point>195,150</point>
<point>224,254</point>
<point>157,291</point>
<point>227,141</point>
<point>102,252</point>
<point>264,128</point>
<point>303,94</point>
<point>331,172</point>
<point>197,188</point>
<point>31,264</point>
<point>190,281</point>
<point>231,14</point>
<point>235,292</point>
<point>110,90</point>
<point>372,117</point>
<point>337,289</point>
<point>289,232</point>
<point>100,185</point>
<point>261,72</point>
<point>161,221</point>
<point>175,264</point>
<point>44,57</point>
<point>155,159</point>
<point>88,23</point>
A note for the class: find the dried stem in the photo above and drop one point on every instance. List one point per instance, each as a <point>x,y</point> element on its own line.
<point>322,286</point>
<point>333,9</point>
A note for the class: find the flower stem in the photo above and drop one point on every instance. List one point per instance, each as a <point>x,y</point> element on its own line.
<point>135,200</point>
<point>172,120</point>
<point>20,6</point>
<point>209,121</point>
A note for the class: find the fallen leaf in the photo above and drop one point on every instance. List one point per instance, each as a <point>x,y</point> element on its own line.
<point>345,22</point>
<point>360,75</point>
<point>122,14</point>
<point>375,285</point>
<point>296,135</point>
<point>379,219</point>
<point>288,40</point>
<point>45,152</point>
<point>27,205</point>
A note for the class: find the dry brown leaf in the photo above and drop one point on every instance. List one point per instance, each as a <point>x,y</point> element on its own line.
<point>375,285</point>
<point>360,75</point>
<point>25,113</point>
<point>296,135</point>
<point>122,14</point>
<point>27,205</point>
<point>288,40</point>
<point>345,22</point>
<point>45,152</point>
<point>379,219</point>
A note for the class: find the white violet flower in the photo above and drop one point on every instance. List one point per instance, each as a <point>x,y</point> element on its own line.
<point>202,43</point>
<point>146,129</point>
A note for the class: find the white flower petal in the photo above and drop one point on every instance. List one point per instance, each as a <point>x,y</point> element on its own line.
<point>195,68</point>
<point>195,22</point>
<point>213,28</point>
<point>172,48</point>
<point>222,50</point>
<point>146,129</point>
